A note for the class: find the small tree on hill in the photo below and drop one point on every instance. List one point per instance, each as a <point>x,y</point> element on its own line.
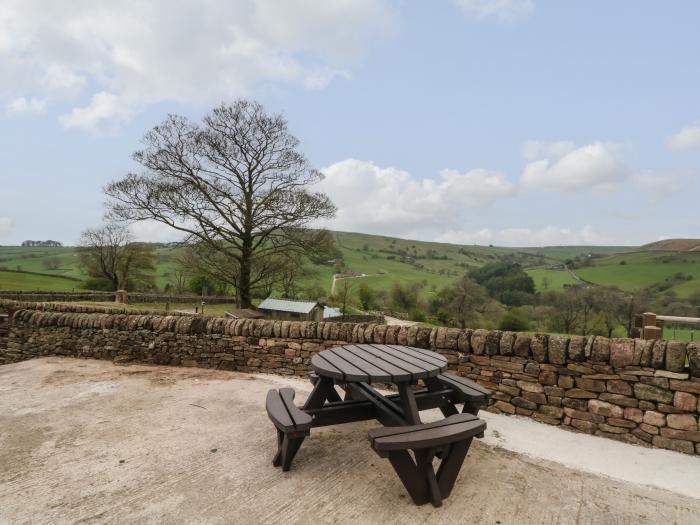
<point>462,303</point>
<point>366,296</point>
<point>113,260</point>
<point>404,297</point>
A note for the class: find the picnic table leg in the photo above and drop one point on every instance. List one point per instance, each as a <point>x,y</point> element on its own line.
<point>287,448</point>
<point>408,402</point>
<point>277,461</point>
<point>324,389</point>
<point>290,447</point>
<point>408,473</point>
<point>424,461</point>
<point>433,384</point>
<point>450,466</point>
<point>419,477</point>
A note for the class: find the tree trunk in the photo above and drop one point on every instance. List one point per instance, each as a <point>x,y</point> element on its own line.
<point>244,296</point>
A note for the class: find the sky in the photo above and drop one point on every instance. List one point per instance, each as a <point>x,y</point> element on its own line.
<point>506,122</point>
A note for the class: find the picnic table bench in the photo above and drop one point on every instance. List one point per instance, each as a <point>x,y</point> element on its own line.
<point>353,370</point>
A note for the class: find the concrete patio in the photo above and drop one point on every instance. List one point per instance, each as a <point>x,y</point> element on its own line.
<point>85,441</point>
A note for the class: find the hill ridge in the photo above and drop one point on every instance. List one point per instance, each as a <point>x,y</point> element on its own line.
<point>672,245</point>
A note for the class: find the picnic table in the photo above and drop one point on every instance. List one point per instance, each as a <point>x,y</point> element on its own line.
<point>419,375</point>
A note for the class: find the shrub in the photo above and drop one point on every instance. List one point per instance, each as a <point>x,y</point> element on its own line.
<point>404,297</point>
<point>416,314</point>
<point>514,321</point>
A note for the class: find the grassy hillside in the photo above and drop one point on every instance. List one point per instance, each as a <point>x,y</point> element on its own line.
<point>52,261</point>
<point>562,253</point>
<point>547,279</point>
<point>427,264</point>
<point>385,260</point>
<point>16,281</point>
<point>673,245</point>
<point>435,265</point>
<point>637,270</point>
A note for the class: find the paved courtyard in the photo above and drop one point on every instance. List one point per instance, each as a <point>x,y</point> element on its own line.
<point>90,442</point>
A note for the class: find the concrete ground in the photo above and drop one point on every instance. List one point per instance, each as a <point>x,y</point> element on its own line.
<point>90,442</point>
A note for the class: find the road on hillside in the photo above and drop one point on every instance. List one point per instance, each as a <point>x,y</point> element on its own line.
<point>573,274</point>
<point>339,277</point>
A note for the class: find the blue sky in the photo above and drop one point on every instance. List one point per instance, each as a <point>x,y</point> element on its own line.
<point>511,122</point>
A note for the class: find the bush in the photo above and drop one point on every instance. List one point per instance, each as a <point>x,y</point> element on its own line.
<point>404,297</point>
<point>366,296</point>
<point>416,314</point>
<point>514,322</point>
<point>516,298</point>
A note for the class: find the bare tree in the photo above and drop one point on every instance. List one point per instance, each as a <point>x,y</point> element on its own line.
<point>291,274</point>
<point>180,276</point>
<point>567,313</point>
<point>110,255</point>
<point>236,183</point>
<point>464,301</point>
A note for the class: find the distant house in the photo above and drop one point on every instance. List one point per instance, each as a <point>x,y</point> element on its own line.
<point>289,309</point>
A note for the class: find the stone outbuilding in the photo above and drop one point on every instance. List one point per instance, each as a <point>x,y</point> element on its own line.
<point>292,310</point>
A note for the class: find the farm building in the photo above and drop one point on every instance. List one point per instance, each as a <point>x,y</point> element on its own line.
<point>297,310</point>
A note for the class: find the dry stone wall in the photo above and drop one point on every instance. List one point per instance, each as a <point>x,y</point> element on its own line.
<point>8,305</point>
<point>56,296</point>
<point>111,296</point>
<point>630,390</point>
<point>4,332</point>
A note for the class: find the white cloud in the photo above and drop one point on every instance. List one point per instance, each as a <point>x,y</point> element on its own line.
<point>686,139</point>
<point>658,186</point>
<point>103,106</point>
<point>391,201</point>
<point>6,224</point>
<point>503,10</point>
<point>561,166</point>
<point>546,236</point>
<point>26,105</point>
<point>122,57</point>
<point>536,149</point>
<point>152,231</point>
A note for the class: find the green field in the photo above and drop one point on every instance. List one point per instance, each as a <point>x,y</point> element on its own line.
<point>54,263</point>
<point>548,279</point>
<point>15,281</point>
<point>644,269</point>
<point>40,260</point>
<point>681,334</point>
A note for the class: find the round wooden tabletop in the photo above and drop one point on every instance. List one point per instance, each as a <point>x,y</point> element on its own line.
<point>370,363</point>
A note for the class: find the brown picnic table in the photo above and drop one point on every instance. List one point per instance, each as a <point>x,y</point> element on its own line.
<point>419,375</point>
